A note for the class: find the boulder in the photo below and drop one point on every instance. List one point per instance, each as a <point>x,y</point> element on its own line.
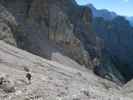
<point>7,84</point>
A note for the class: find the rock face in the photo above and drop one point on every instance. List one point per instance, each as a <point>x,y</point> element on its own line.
<point>7,26</point>
<point>117,35</point>
<point>45,27</point>
<point>51,80</point>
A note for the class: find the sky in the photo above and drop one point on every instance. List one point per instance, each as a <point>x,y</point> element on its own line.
<point>121,7</point>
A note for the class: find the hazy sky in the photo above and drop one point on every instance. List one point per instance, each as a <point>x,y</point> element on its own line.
<point>122,7</point>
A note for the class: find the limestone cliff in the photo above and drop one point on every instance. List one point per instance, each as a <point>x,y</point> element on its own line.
<point>45,27</point>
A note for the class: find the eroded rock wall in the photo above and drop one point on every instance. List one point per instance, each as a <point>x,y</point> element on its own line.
<point>47,26</point>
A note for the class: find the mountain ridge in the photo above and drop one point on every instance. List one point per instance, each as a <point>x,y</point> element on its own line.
<point>106,14</point>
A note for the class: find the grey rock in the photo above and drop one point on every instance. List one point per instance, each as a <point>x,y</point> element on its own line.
<point>7,26</point>
<point>7,84</point>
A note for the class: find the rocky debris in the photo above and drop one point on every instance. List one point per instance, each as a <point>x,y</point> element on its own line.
<point>107,70</point>
<point>51,80</point>
<point>7,84</point>
<point>128,89</point>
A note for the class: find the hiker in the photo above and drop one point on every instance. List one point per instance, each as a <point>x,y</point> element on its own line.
<point>28,75</point>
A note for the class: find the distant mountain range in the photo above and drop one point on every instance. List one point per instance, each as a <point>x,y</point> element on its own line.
<point>106,14</point>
